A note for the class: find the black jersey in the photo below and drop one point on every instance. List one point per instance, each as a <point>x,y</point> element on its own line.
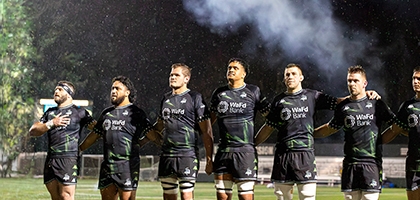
<point>121,128</point>
<point>292,114</point>
<point>64,140</point>
<point>361,121</point>
<point>408,118</point>
<point>181,114</point>
<point>236,109</point>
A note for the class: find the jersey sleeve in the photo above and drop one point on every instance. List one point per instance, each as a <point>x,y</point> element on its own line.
<point>143,124</point>
<point>384,112</point>
<point>44,117</point>
<point>214,101</point>
<point>325,101</point>
<point>98,129</point>
<point>337,122</point>
<point>402,116</point>
<point>262,104</point>
<point>85,117</point>
<point>201,109</point>
<point>273,118</point>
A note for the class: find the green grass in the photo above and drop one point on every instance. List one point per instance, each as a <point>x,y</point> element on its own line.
<point>31,189</point>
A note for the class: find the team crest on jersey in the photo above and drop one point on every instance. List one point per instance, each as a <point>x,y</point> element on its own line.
<point>125,113</point>
<point>187,171</point>
<point>349,121</point>
<point>184,100</point>
<point>286,113</point>
<point>346,108</point>
<point>222,107</point>
<point>166,113</point>
<point>243,95</point>
<point>66,177</point>
<point>413,120</point>
<point>304,98</point>
<point>373,183</point>
<point>308,174</point>
<point>369,105</point>
<point>248,172</point>
<point>69,112</point>
<point>127,182</point>
<point>107,124</point>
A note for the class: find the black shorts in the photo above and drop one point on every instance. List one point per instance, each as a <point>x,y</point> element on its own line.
<point>178,167</point>
<point>241,165</point>
<point>294,167</point>
<point>126,178</point>
<point>412,174</point>
<point>366,177</point>
<point>65,170</point>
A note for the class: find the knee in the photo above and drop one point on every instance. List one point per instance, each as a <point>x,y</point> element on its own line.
<point>169,185</point>
<point>245,187</point>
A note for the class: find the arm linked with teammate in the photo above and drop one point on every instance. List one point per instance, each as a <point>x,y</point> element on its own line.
<point>90,139</point>
<point>207,136</point>
<point>391,132</point>
<point>262,135</point>
<point>324,131</point>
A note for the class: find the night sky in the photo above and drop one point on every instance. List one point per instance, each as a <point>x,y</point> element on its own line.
<point>141,39</point>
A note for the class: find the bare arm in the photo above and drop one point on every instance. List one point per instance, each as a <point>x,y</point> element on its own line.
<point>39,128</point>
<point>391,132</point>
<point>324,131</point>
<point>262,135</point>
<point>89,140</point>
<point>207,136</point>
<point>213,117</point>
<point>154,135</point>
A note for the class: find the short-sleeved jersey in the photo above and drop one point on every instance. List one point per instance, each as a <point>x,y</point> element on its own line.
<point>181,114</point>
<point>408,119</point>
<point>361,121</point>
<point>64,140</point>
<point>121,128</point>
<point>236,109</point>
<point>292,114</point>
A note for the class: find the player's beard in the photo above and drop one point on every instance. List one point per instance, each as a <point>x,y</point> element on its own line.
<point>117,101</point>
<point>60,100</point>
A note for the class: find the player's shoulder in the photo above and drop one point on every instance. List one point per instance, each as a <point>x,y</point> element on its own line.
<point>51,109</point>
<point>220,90</point>
<point>252,87</point>
<point>108,109</point>
<point>194,94</point>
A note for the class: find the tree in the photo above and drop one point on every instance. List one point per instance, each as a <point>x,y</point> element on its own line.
<point>17,56</point>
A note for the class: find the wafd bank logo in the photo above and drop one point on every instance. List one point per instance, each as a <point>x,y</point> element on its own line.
<point>113,124</point>
<point>296,113</point>
<point>358,120</point>
<point>232,107</point>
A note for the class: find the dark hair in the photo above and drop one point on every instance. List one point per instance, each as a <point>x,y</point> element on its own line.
<point>416,69</point>
<point>357,69</point>
<point>185,69</point>
<point>127,82</point>
<point>242,62</point>
<point>290,65</point>
<point>68,83</point>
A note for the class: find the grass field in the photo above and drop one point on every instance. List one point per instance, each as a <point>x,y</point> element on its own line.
<point>34,189</point>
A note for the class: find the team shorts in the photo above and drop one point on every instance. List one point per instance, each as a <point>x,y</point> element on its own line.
<point>241,165</point>
<point>294,167</point>
<point>366,177</point>
<point>412,174</point>
<point>178,167</point>
<point>65,170</point>
<point>125,176</point>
